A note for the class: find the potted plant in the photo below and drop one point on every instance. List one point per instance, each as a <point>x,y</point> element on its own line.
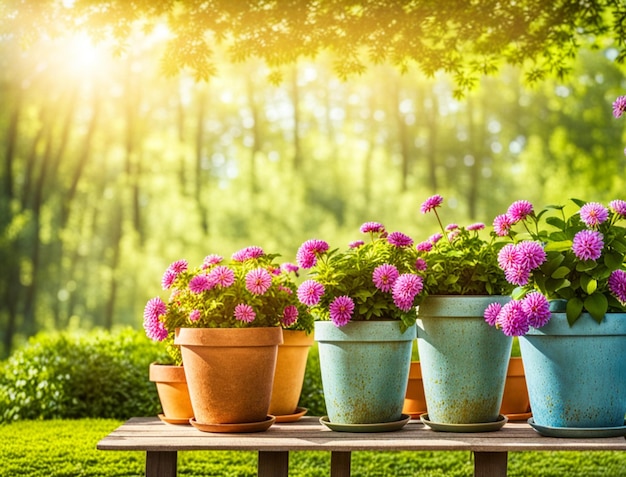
<point>224,319</point>
<point>463,361</point>
<point>567,263</point>
<point>363,298</point>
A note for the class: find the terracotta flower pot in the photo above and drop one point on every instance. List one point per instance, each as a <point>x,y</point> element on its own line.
<point>515,401</point>
<point>414,401</point>
<point>289,375</point>
<point>173,393</point>
<point>230,372</point>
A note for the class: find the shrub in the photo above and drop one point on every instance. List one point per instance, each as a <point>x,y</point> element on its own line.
<point>76,375</point>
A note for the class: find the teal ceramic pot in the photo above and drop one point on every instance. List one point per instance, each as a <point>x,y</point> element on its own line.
<point>464,360</point>
<point>576,376</point>
<point>365,370</point>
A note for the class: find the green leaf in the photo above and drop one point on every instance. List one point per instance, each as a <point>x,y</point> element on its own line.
<point>588,284</point>
<point>560,246</point>
<point>556,222</point>
<point>613,261</point>
<point>552,264</point>
<point>560,272</point>
<point>597,305</point>
<point>578,202</point>
<point>585,265</point>
<point>518,293</point>
<point>573,310</point>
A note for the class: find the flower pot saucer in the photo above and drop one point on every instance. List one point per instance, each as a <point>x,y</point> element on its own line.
<point>416,415</point>
<point>174,420</point>
<point>472,427</point>
<point>578,432</point>
<point>375,427</point>
<point>300,411</point>
<point>523,416</point>
<point>235,427</point>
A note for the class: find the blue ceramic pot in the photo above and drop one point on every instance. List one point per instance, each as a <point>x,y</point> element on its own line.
<point>464,360</point>
<point>365,370</point>
<point>576,375</point>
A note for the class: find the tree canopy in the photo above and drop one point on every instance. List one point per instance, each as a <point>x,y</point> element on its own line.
<point>465,38</point>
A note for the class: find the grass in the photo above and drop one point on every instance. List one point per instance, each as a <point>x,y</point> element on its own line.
<point>67,448</point>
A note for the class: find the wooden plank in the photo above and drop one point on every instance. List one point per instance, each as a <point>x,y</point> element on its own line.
<point>273,464</point>
<point>490,464</point>
<point>161,464</point>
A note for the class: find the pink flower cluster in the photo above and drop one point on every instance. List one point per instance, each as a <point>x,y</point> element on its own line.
<point>172,273</point>
<point>309,251</point>
<point>248,253</point>
<point>517,316</point>
<point>517,212</point>
<point>518,260</point>
<point>154,327</point>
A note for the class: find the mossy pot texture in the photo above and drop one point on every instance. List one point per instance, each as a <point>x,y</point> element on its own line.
<point>576,375</point>
<point>464,360</point>
<point>365,370</point>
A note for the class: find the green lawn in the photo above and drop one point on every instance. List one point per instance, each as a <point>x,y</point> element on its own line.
<point>68,448</point>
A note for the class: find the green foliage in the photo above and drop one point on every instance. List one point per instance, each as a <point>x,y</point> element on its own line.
<point>461,262</point>
<point>349,273</point>
<point>75,375</point>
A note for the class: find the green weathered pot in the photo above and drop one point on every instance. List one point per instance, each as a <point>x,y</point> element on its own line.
<point>365,370</point>
<point>464,360</point>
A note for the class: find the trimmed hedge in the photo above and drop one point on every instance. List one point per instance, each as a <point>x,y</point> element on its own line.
<point>76,375</point>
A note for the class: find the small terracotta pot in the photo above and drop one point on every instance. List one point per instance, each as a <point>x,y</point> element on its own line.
<point>230,372</point>
<point>414,401</point>
<point>173,393</point>
<point>515,400</point>
<point>290,369</point>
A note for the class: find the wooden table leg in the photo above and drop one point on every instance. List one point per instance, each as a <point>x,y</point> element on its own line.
<point>490,464</point>
<point>340,464</point>
<point>273,464</point>
<point>161,464</point>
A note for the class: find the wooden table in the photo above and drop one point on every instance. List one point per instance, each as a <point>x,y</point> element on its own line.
<point>162,442</point>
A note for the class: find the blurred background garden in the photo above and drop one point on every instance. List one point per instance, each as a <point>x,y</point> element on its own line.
<point>111,169</point>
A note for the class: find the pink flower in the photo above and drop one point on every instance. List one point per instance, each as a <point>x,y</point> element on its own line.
<point>491,313</point>
<point>248,253</point>
<point>222,276</point>
<point>244,313</point>
<point>211,260</point>
<point>451,227</point>
<point>508,256</point>
<point>399,239</point>
<point>619,207</point>
<point>593,214</point>
<point>200,283</point>
<point>587,244</point>
<point>341,310</point>
<point>512,319</point>
<point>519,210</point>
<point>476,226</point>
<point>356,244</point>
<point>434,238</point>
<point>384,276</point>
<point>531,254</point>
<point>424,246</point>
<point>194,315</point>
<point>420,264</point>
<point>517,274</point>
<point>619,106</point>
<point>431,203</point>
<point>258,281</point>
<point>537,309</point>
<point>310,292</point>
<point>168,279</point>
<point>309,251</point>
<point>290,316</point>
<point>155,329</point>
<point>373,227</point>
<point>502,225</point>
<point>617,285</point>
<point>406,287</point>
<point>289,267</point>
